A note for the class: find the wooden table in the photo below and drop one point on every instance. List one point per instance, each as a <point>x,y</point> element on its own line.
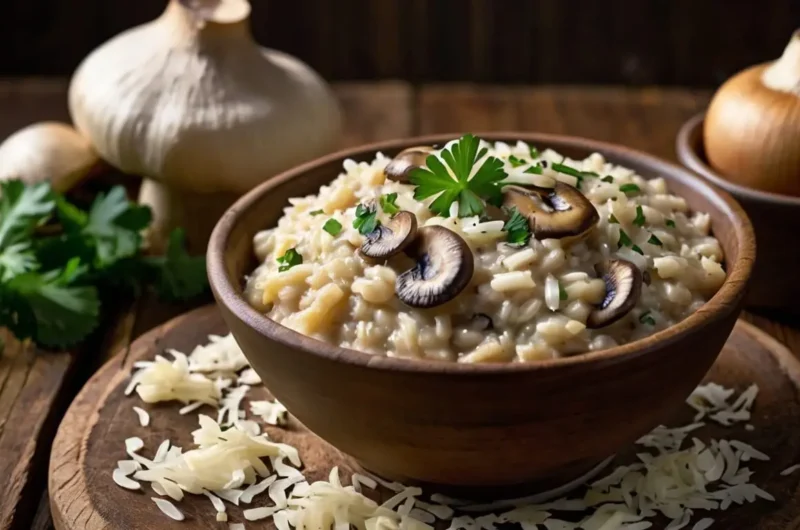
<point>36,387</point>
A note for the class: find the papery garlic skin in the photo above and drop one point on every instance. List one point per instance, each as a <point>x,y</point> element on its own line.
<point>197,104</point>
<point>47,152</point>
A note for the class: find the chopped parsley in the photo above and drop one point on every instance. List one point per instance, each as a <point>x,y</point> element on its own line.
<point>645,318</point>
<point>535,169</point>
<point>624,239</point>
<point>516,162</point>
<point>562,293</point>
<point>366,219</point>
<point>534,152</point>
<point>568,170</point>
<point>637,248</point>
<point>289,260</point>
<point>613,220</point>
<point>608,178</point>
<point>316,212</point>
<point>469,193</point>
<point>388,203</point>
<point>333,227</point>
<point>629,188</point>
<point>640,219</point>
<point>518,231</point>
<point>654,240</point>
<point>670,223</point>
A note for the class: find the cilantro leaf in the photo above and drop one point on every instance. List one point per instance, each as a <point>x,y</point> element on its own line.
<point>518,231</point>
<point>460,158</point>
<point>178,275</point>
<point>17,259</point>
<point>114,224</point>
<point>332,226</point>
<point>21,209</point>
<point>640,219</point>
<point>388,203</point>
<point>366,219</point>
<point>289,259</point>
<point>567,170</point>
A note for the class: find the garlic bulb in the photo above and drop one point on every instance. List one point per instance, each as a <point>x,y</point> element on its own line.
<point>47,152</point>
<point>752,128</point>
<point>192,101</point>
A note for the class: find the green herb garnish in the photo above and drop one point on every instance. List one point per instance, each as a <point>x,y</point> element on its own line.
<point>289,259</point>
<point>640,219</point>
<point>316,212</point>
<point>670,223</point>
<point>534,153</point>
<point>629,188</point>
<point>654,240</point>
<point>562,293</point>
<point>518,231</point>
<point>567,170</point>
<point>535,169</point>
<point>613,220</point>
<point>388,203</point>
<point>608,178</point>
<point>624,239</point>
<point>333,227</point>
<point>637,248</point>
<point>645,318</point>
<point>366,219</point>
<point>516,162</point>
<point>461,157</point>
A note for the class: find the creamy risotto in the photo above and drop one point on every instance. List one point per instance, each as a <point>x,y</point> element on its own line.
<point>480,252</point>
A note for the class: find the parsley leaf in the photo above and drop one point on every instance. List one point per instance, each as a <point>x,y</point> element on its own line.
<point>333,227</point>
<point>17,259</point>
<point>640,219</point>
<point>316,212</point>
<point>518,231</point>
<point>516,162</point>
<point>624,239</point>
<point>179,276</point>
<point>629,188</point>
<point>567,170</point>
<point>670,223</point>
<point>646,318</point>
<point>534,153</point>
<point>460,158</point>
<point>388,203</point>
<point>289,259</point>
<point>535,169</point>
<point>637,248</point>
<point>613,220</point>
<point>655,241</point>
<point>562,293</point>
<point>608,178</point>
<point>366,219</point>
<point>21,209</point>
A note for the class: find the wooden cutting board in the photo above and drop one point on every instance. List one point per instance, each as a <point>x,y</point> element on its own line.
<point>91,437</point>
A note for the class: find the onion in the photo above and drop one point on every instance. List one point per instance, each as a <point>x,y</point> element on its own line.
<point>752,128</point>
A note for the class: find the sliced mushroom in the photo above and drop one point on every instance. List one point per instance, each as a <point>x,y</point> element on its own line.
<point>444,268</point>
<point>390,239</point>
<point>623,287</point>
<point>558,212</point>
<point>399,169</point>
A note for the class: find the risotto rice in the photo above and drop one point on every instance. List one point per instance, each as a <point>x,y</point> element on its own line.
<point>642,264</point>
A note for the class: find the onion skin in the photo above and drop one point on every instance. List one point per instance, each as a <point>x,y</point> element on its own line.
<point>752,134</point>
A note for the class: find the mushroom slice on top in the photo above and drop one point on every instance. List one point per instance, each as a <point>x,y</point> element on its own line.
<point>399,169</point>
<point>393,238</point>
<point>623,288</point>
<point>558,212</point>
<point>444,268</point>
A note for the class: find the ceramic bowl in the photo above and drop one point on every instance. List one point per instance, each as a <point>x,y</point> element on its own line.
<point>478,426</point>
<point>774,216</point>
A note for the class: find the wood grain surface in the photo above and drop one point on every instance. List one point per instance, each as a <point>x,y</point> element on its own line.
<point>644,119</point>
<point>92,436</point>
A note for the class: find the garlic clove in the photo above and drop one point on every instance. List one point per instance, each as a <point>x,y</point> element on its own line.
<point>47,152</point>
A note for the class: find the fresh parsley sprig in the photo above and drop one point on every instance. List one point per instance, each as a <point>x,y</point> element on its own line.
<point>450,181</point>
<point>518,231</point>
<point>366,219</point>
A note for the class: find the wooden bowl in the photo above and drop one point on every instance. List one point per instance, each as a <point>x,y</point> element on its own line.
<point>774,216</point>
<point>478,426</point>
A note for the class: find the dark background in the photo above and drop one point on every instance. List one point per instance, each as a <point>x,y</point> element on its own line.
<point>696,43</point>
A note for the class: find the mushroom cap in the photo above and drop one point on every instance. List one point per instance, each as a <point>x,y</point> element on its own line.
<point>399,169</point>
<point>393,238</point>
<point>553,213</point>
<point>623,287</point>
<point>444,268</point>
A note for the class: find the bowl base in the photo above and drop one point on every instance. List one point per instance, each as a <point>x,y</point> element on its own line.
<point>543,489</point>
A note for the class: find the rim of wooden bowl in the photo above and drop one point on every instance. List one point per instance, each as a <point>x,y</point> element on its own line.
<point>726,299</point>
<point>688,145</point>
